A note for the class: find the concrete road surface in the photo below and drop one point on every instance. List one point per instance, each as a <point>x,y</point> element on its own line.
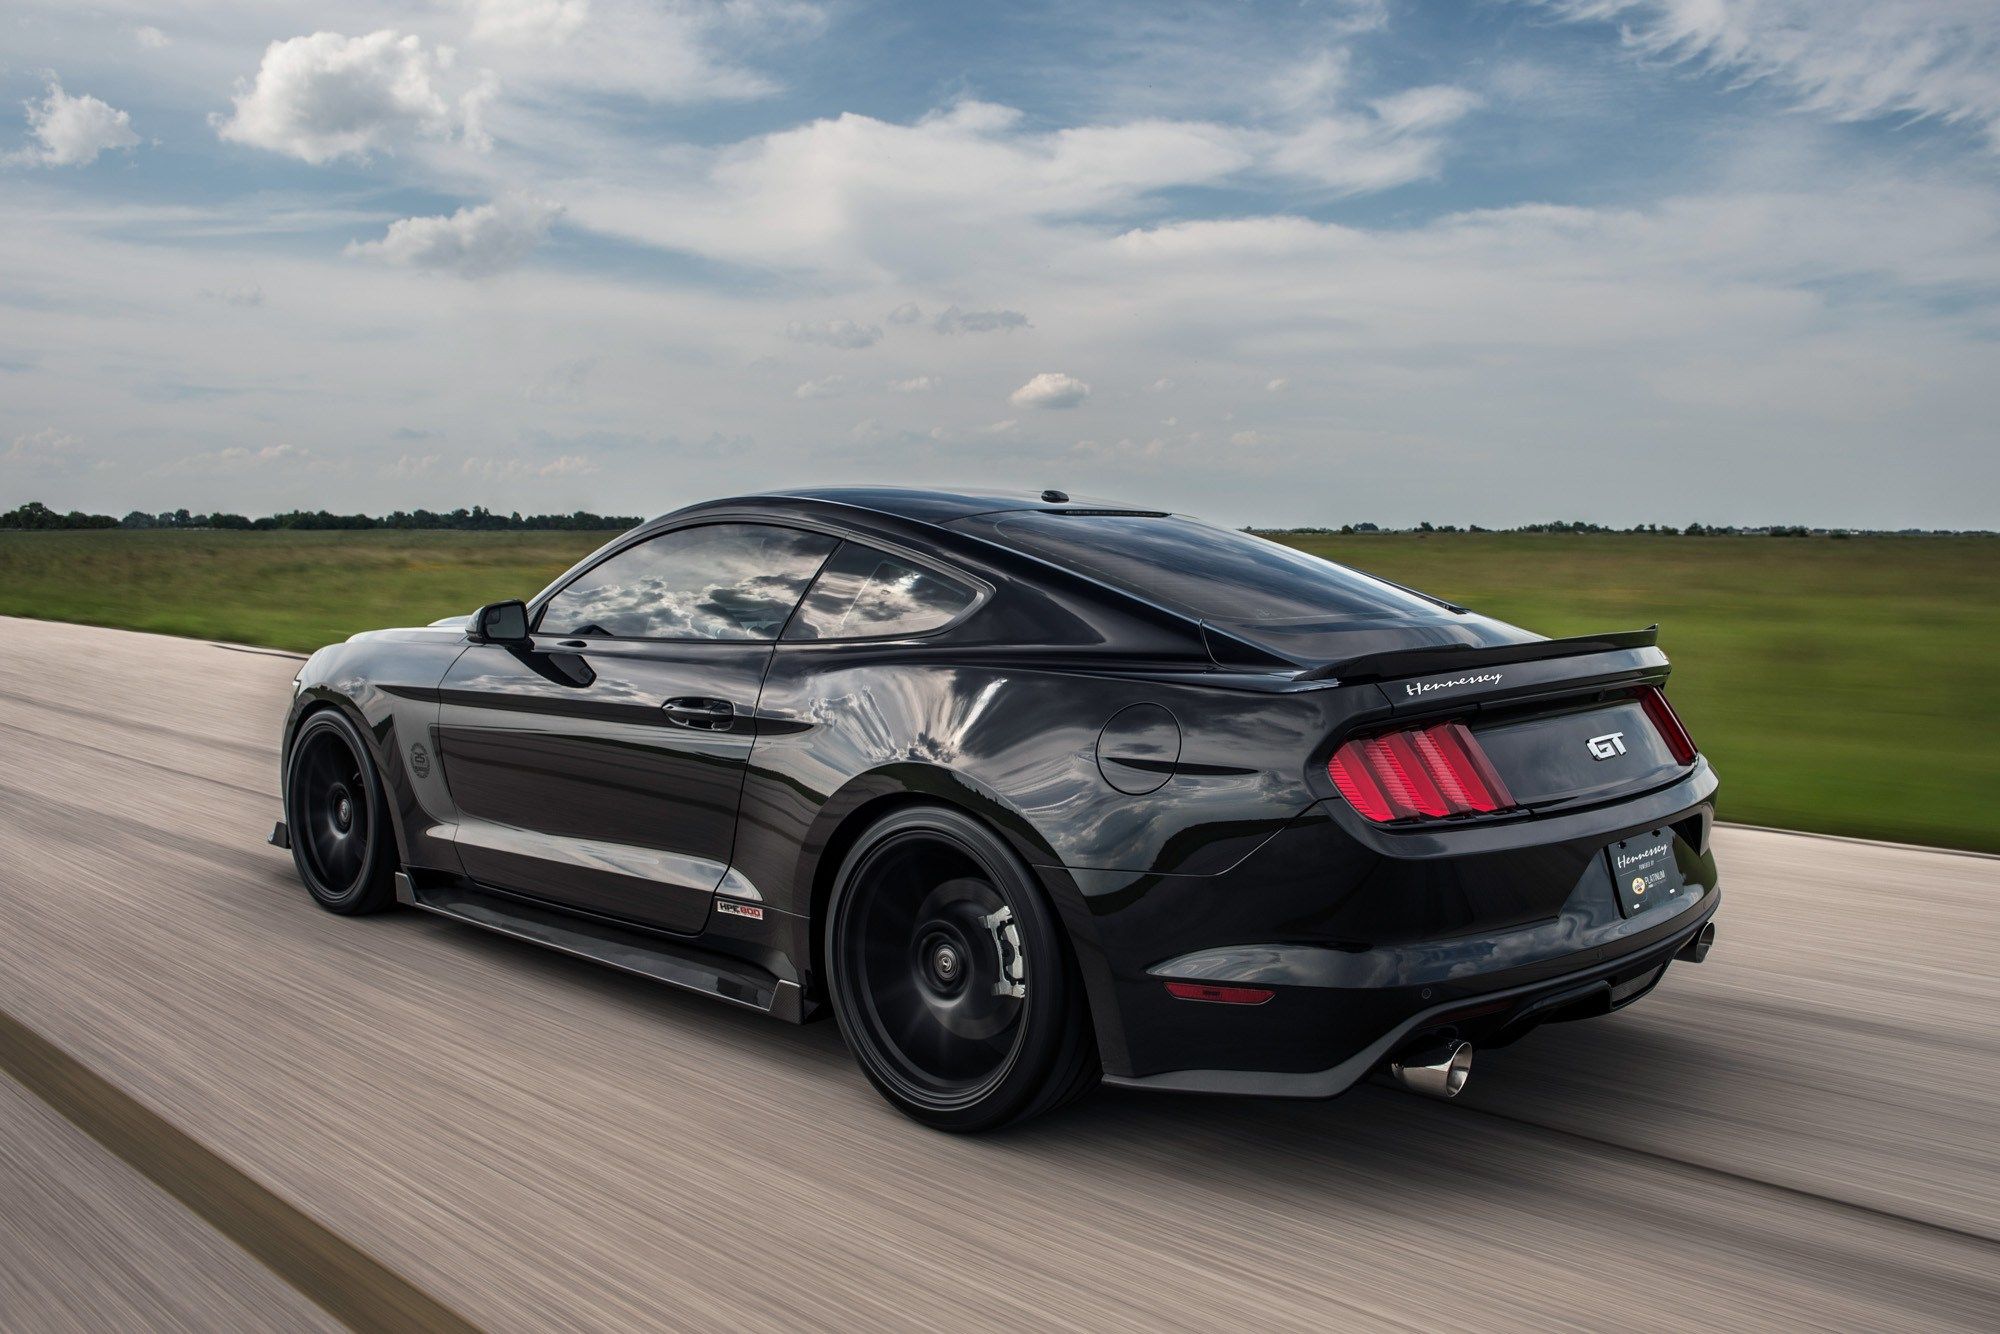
<point>1803,1131</point>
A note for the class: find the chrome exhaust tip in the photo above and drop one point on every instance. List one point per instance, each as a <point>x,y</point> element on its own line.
<point>1438,1072</point>
<point>1699,944</point>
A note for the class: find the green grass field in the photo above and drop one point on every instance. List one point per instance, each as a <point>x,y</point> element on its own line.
<point>1839,686</point>
<point>286,590</point>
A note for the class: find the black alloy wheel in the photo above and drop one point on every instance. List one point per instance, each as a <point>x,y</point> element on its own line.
<point>950,977</point>
<point>341,840</point>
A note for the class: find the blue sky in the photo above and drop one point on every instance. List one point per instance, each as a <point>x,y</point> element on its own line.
<point>1627,260</point>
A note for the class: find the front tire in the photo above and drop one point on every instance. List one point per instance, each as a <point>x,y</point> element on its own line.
<point>950,976</point>
<point>341,840</point>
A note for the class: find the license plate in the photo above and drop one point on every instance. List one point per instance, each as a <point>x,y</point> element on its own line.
<point>1645,872</point>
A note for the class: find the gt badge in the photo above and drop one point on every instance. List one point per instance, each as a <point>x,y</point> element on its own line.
<point>1604,747</point>
<point>735,909</point>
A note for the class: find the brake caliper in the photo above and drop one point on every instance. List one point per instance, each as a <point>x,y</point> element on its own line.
<point>1007,943</point>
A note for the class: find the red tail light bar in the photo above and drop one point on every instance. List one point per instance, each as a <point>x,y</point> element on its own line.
<point>1439,769</point>
<point>1668,724</point>
<point>1435,771</point>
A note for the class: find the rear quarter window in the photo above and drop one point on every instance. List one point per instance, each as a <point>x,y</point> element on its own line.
<point>863,593</point>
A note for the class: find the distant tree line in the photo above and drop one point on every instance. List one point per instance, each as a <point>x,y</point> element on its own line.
<point>1660,529</point>
<point>36,516</point>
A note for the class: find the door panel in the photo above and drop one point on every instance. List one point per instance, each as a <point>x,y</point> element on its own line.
<point>576,783</point>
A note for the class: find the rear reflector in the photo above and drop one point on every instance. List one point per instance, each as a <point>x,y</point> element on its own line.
<point>1436,770</point>
<point>1202,991</point>
<point>1668,724</point>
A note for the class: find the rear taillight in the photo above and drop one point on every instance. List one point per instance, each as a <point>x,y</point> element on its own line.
<point>1668,724</point>
<point>1436,770</point>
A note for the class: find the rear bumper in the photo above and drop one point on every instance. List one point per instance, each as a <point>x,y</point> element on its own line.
<point>1369,939</point>
<point>1489,1017</point>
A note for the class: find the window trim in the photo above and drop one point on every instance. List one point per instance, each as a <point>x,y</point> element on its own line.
<point>982,592</point>
<point>540,606</point>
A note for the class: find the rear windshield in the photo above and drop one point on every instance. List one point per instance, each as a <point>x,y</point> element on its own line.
<point>1215,573</point>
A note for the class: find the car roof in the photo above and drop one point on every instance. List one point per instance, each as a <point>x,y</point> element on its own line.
<point>935,505</point>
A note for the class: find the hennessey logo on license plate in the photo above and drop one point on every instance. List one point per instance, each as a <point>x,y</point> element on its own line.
<point>1645,872</point>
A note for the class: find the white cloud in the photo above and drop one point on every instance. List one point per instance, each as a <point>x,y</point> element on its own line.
<point>831,386</point>
<point>411,465</point>
<point>916,384</point>
<point>474,106</point>
<point>473,242</point>
<point>495,469</point>
<point>835,333</point>
<point>238,459</point>
<point>661,52</point>
<point>907,313</point>
<point>151,38</point>
<point>72,131</point>
<point>539,23</point>
<point>1126,449</point>
<point>1277,385</point>
<point>326,96</point>
<point>862,199</point>
<point>954,320</point>
<point>45,451</point>
<point>1427,108</point>
<point>1851,59</point>
<point>1050,389</point>
<point>1393,143</point>
<point>1309,85</point>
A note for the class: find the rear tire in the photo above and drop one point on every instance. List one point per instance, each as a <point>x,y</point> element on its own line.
<point>339,823</point>
<point>951,977</point>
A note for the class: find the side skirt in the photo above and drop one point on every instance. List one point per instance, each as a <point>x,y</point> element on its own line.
<point>685,966</point>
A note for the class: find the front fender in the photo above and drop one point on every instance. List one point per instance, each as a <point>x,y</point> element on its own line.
<point>386,684</point>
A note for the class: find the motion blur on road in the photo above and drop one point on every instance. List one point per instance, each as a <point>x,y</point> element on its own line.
<point>1804,1130</point>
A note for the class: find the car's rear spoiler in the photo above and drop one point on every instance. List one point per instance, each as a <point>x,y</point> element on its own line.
<point>1464,657</point>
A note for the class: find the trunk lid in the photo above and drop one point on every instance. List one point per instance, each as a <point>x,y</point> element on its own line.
<point>1582,753</point>
<point>1560,722</point>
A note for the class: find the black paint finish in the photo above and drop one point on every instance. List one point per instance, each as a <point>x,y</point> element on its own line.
<point>605,780</point>
<point>1165,777</point>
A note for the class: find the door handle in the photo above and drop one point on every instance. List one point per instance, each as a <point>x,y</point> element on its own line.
<point>709,715</point>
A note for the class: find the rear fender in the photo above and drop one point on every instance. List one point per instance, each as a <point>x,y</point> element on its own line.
<point>868,796</point>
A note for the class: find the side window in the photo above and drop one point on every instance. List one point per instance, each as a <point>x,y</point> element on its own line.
<point>863,593</point>
<point>718,581</point>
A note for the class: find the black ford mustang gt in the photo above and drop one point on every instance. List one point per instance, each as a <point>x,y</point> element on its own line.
<point>1027,793</point>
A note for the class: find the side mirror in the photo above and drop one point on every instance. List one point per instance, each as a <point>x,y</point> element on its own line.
<point>501,623</point>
